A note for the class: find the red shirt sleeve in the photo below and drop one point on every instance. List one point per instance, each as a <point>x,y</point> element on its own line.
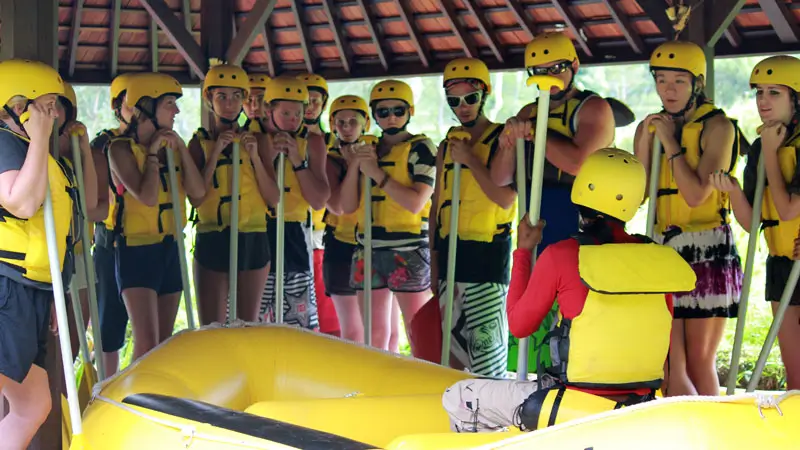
<point>531,295</point>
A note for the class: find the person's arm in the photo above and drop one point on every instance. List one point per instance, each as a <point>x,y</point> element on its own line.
<point>206,168</point>
<point>314,181</point>
<point>265,180</point>
<point>643,151</point>
<point>334,169</point>
<point>531,295</point>
<point>143,186</point>
<point>434,212</point>
<point>22,187</point>
<point>351,187</point>
<point>787,204</point>
<point>694,185</point>
<point>89,181</point>
<point>190,175</point>
<point>100,211</point>
<point>503,196</point>
<point>423,162</point>
<point>595,131</point>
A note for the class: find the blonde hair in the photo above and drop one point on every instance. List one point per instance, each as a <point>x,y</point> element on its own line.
<point>16,100</point>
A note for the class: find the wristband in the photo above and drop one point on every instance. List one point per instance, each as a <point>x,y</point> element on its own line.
<point>384,181</point>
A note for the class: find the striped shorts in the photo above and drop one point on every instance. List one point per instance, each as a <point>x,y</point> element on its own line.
<point>480,326</point>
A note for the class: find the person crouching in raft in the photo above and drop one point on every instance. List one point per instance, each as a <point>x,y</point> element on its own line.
<point>317,101</point>
<point>403,170</point>
<point>486,211</point>
<point>67,123</point>
<point>113,315</point>
<point>777,83</point>
<point>29,92</point>
<point>148,268</point>
<point>691,215</point>
<point>611,309</point>
<point>254,107</point>
<point>224,89</point>
<point>306,186</point>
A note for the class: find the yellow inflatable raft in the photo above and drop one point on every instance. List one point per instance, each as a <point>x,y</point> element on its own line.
<point>278,387</point>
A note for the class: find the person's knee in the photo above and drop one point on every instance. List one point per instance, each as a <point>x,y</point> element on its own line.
<point>31,399</point>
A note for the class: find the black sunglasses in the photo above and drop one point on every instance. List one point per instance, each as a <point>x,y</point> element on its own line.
<point>397,111</point>
<point>552,70</point>
<point>472,98</point>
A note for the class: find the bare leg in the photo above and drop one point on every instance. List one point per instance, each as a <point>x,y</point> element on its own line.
<point>410,303</point>
<point>30,404</point>
<point>167,311</point>
<point>679,381</point>
<point>211,288</point>
<point>788,339</point>
<point>348,309</point>
<point>702,339</point>
<point>110,362</point>
<point>394,335</point>
<point>251,286</point>
<point>142,306</point>
<point>381,316</point>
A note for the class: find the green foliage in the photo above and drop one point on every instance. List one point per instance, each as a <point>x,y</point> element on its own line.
<point>632,84</point>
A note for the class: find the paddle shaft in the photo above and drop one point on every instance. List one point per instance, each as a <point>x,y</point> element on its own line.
<point>367,260</point>
<point>655,171</point>
<point>452,244</point>
<point>177,213</point>
<point>280,232</point>
<point>233,262</point>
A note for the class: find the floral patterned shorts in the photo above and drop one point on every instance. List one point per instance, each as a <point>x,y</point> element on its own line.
<point>398,270</point>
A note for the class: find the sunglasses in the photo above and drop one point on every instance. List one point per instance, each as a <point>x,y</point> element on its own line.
<point>470,99</point>
<point>397,111</point>
<point>553,70</point>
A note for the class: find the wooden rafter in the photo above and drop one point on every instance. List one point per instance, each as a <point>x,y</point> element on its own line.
<point>178,35</point>
<point>733,36</point>
<point>782,19</point>
<point>413,31</point>
<point>186,12</point>
<point>518,11</point>
<point>77,16</point>
<point>721,20</point>
<point>656,10</point>
<point>252,26</point>
<point>272,58</point>
<point>114,36</point>
<point>305,37</point>
<point>572,23</point>
<point>461,33</point>
<point>373,32</point>
<point>625,26</point>
<point>154,54</point>
<point>486,29</point>
<point>339,35</point>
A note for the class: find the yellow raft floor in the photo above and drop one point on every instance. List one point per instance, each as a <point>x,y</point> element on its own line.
<point>280,387</point>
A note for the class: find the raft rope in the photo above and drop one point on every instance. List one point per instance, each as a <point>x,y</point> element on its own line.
<point>761,400</point>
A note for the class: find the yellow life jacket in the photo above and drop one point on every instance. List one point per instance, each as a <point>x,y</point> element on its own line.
<point>479,219</point>
<point>671,208</point>
<point>215,212</point>
<point>297,208</point>
<point>317,219</point>
<point>548,407</point>
<point>781,234</point>
<point>254,126</point>
<point>111,219</point>
<point>620,339</point>
<point>561,120</point>
<point>23,242</point>
<point>386,212</point>
<point>344,224</point>
<point>145,225</point>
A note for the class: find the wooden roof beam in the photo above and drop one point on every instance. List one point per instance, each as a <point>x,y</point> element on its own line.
<point>154,55</point>
<point>408,18</point>
<point>339,34</point>
<point>782,20</point>
<point>460,30</point>
<point>624,25</point>
<point>77,16</point>
<point>519,12</point>
<point>113,38</point>
<point>178,35</point>
<point>186,12</point>
<point>373,32</point>
<point>657,11</point>
<point>563,9</point>
<point>272,58</point>
<point>721,19</point>
<point>305,36</point>
<point>252,26</point>
<point>733,36</point>
<point>486,29</point>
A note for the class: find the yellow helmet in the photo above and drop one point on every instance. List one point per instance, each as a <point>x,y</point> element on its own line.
<point>153,85</point>
<point>392,90</point>
<point>349,103</point>
<point>314,81</point>
<point>548,48</point>
<point>679,55</point>
<point>29,79</point>
<point>72,99</point>
<point>610,181</point>
<point>782,69</point>
<point>468,69</point>
<point>286,88</point>
<point>258,80</point>
<point>119,85</point>
<point>226,75</point>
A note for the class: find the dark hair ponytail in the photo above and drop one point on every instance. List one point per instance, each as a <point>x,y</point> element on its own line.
<point>598,226</point>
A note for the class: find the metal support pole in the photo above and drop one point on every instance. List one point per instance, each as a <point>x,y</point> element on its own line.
<point>233,265</point>
<point>177,212</point>
<point>367,304</point>
<point>280,232</point>
<point>655,171</point>
<point>755,222</point>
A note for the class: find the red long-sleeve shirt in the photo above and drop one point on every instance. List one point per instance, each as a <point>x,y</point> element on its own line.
<point>531,295</point>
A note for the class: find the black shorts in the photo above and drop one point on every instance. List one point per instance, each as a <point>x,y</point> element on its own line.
<point>212,250</point>
<point>336,264</point>
<point>297,246</point>
<point>113,315</point>
<point>154,266</point>
<point>778,268</point>
<point>24,324</point>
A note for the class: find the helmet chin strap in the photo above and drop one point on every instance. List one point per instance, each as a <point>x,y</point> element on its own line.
<point>274,124</point>
<point>563,93</point>
<point>311,121</point>
<point>689,104</point>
